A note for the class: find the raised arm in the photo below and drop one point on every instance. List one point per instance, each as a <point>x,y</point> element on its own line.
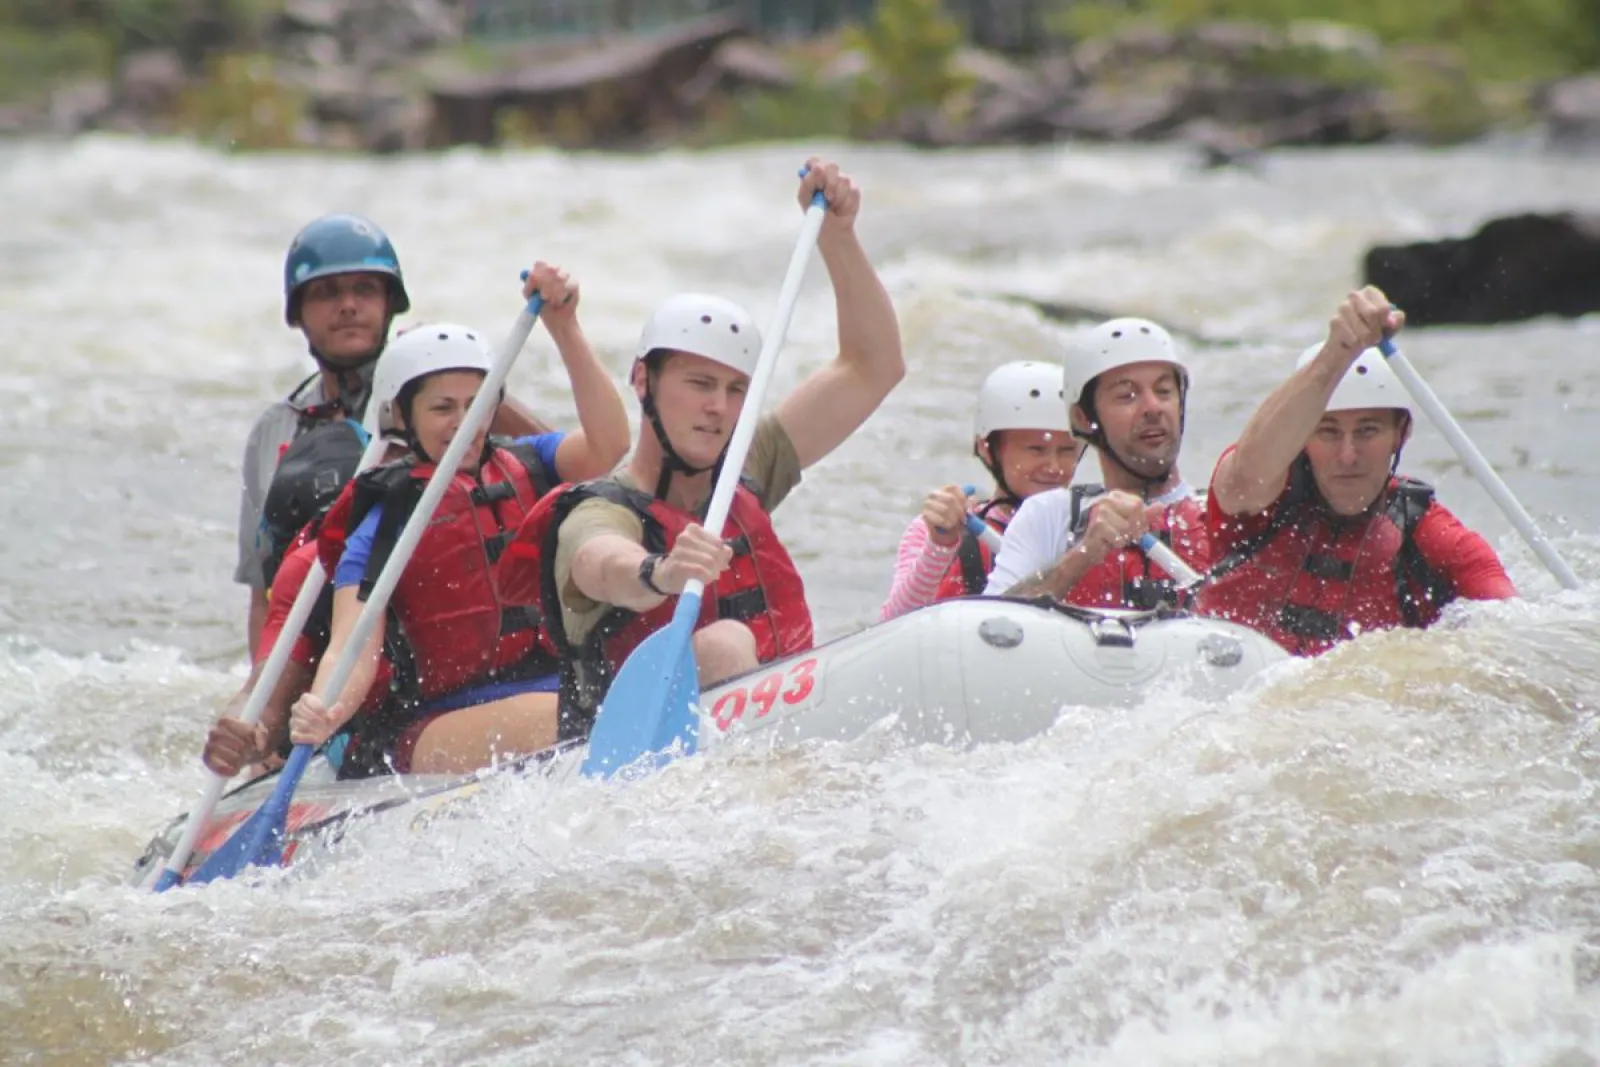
<point>833,402</point>
<point>513,418</point>
<point>603,437</point>
<point>1251,477</point>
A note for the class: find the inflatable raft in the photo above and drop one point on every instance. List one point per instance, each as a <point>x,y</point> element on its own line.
<point>959,672</point>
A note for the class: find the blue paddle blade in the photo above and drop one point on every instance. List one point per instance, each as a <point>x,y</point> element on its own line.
<point>651,702</point>
<point>259,840</point>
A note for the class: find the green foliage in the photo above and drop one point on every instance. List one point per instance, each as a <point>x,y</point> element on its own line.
<point>910,47</point>
<point>810,110</point>
<point>33,60</point>
<point>1496,38</point>
<point>1436,97</point>
<point>194,27</point>
<point>242,105</point>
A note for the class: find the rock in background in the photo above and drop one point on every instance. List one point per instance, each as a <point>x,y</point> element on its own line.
<point>1513,268</point>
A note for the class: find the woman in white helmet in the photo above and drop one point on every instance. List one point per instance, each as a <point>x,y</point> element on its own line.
<point>1317,537</point>
<point>474,678</point>
<point>1127,386</point>
<point>1021,434</point>
<point>607,560</point>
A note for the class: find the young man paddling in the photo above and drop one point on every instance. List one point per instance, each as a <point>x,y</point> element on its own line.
<point>609,558</point>
<point>1318,539</point>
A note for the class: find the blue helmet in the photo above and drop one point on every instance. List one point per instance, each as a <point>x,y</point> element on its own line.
<point>340,244</point>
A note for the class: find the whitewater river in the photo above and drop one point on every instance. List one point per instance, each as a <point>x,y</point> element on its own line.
<point>1390,856</point>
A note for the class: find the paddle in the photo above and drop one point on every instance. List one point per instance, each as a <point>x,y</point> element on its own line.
<point>259,840</point>
<point>170,874</point>
<point>1159,553</point>
<point>988,535</point>
<point>1442,421</point>
<point>651,702</point>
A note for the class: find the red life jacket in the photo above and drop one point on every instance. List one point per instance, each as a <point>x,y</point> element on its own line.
<point>761,588</point>
<point>458,630</point>
<point>1309,578</point>
<point>968,573</point>
<point>1127,578</point>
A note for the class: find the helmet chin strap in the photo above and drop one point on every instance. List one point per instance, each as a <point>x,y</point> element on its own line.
<point>1148,483</point>
<point>354,376</point>
<point>992,465</point>
<point>1096,436</point>
<point>671,461</point>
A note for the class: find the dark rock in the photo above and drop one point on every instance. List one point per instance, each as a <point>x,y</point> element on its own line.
<point>147,83</point>
<point>309,16</point>
<point>1105,114</point>
<point>1513,268</point>
<point>335,95</point>
<point>380,33</point>
<point>1571,111</point>
<point>615,95</point>
<point>1146,83</point>
<point>396,124</point>
<point>19,119</point>
<point>1218,146</point>
<point>740,65</point>
<point>311,50</point>
<point>1008,104</point>
<point>76,108</point>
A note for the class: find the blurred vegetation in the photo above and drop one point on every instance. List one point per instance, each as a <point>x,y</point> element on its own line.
<point>240,103</point>
<point>1493,39</point>
<point>47,42</point>
<point>910,48</point>
<point>908,67</point>
<point>1453,67</point>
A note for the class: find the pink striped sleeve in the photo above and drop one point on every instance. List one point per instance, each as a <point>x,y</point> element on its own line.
<point>918,570</point>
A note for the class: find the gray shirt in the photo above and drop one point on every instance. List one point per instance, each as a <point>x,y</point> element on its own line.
<point>272,431</point>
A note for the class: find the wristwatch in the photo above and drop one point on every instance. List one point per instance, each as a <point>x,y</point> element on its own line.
<point>647,573</point>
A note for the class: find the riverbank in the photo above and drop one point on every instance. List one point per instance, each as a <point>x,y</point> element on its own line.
<point>408,75</point>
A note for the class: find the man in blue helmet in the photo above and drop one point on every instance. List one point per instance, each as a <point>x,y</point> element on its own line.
<point>342,288</point>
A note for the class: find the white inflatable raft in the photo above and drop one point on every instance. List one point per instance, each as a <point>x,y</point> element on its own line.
<point>960,672</point>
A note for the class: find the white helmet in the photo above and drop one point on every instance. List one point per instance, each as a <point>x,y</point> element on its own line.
<point>706,326</point>
<point>1369,383</point>
<point>1090,353</point>
<point>417,353</point>
<point>1025,395</point>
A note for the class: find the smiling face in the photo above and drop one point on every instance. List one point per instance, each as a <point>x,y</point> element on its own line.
<point>438,409</point>
<point>1140,411</point>
<point>699,401</point>
<point>344,316</point>
<point>1032,461</point>
<point>1352,454</point>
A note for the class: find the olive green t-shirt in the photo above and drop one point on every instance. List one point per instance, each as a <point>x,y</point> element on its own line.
<point>771,466</point>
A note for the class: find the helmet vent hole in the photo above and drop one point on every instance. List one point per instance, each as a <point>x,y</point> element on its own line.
<point>444,336</point>
<point>1033,393</point>
<point>1360,369</point>
<point>1116,333</point>
<point>1144,329</point>
<point>706,319</point>
<point>734,327</point>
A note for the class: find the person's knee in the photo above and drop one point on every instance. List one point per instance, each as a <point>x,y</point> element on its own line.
<point>723,649</point>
